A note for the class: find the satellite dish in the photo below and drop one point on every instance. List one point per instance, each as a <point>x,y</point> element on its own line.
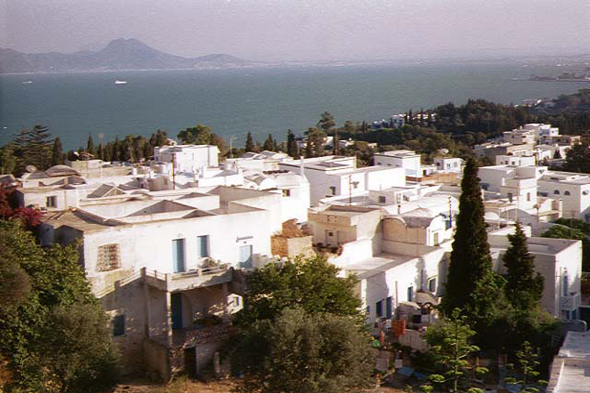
<point>31,168</point>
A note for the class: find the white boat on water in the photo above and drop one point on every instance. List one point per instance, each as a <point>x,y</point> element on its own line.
<point>118,82</point>
<point>27,82</point>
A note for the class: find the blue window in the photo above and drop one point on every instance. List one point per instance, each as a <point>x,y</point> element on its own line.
<point>178,255</point>
<point>410,294</point>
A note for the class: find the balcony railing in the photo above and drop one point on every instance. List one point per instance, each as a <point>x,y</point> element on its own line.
<point>570,302</point>
<point>202,277</point>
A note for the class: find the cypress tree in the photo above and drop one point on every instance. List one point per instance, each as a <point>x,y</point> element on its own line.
<point>524,287</point>
<point>292,149</point>
<point>470,282</point>
<point>269,143</point>
<point>100,151</point>
<point>249,143</point>
<point>56,153</point>
<point>90,145</point>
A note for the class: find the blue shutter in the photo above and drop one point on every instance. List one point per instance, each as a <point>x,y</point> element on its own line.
<point>388,307</point>
<point>203,246</point>
<point>178,255</point>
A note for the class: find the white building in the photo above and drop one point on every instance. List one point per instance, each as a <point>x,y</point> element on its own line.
<point>515,160</point>
<point>572,188</point>
<point>161,266</point>
<point>449,164</point>
<point>338,176</point>
<point>188,158</point>
<point>559,261</point>
<point>406,159</point>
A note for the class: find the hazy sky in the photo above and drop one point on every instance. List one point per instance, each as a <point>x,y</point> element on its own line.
<point>302,29</point>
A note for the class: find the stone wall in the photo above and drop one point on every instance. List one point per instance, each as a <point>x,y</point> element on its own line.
<point>291,247</point>
<point>156,358</point>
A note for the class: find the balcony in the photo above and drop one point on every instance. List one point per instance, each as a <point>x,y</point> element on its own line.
<point>570,302</point>
<point>197,278</point>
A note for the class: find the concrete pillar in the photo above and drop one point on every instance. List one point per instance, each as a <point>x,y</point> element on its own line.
<point>225,303</point>
<point>168,311</point>
<point>147,308</point>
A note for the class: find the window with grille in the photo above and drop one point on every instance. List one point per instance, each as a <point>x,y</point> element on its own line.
<point>51,201</point>
<point>108,258</point>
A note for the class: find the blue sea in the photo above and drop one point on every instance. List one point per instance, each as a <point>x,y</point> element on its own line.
<point>261,101</point>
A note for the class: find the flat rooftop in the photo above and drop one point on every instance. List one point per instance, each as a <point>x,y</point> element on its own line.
<point>377,264</point>
<point>574,356</point>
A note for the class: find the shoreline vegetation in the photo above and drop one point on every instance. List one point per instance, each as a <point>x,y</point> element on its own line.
<point>454,128</point>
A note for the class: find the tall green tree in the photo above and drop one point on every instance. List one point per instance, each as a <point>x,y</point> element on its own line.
<point>328,125</point>
<point>56,152</point>
<point>197,135</point>
<point>315,141</point>
<point>470,282</point>
<point>55,337</point>
<point>90,148</point>
<point>249,143</point>
<point>33,147</point>
<point>299,352</point>
<point>524,287</point>
<point>292,148</point>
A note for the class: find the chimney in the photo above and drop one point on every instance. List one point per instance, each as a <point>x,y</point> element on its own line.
<point>301,167</point>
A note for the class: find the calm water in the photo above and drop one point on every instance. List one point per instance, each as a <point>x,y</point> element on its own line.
<point>261,101</point>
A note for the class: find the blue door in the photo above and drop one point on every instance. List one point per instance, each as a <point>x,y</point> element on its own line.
<point>178,255</point>
<point>176,311</point>
<point>246,256</point>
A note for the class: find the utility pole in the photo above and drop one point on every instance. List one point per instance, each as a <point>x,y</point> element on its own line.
<point>231,144</point>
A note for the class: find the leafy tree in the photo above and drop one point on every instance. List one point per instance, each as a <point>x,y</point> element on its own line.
<point>269,144</point>
<point>528,362</point>
<point>292,149</point>
<point>524,287</point>
<point>218,141</point>
<point>578,158</point>
<point>471,283</point>
<point>197,135</point>
<point>56,339</point>
<point>450,346</point>
<point>328,125</point>
<point>8,161</point>
<point>311,284</point>
<point>56,152</point>
<point>557,154</point>
<point>300,352</point>
<point>249,143</point>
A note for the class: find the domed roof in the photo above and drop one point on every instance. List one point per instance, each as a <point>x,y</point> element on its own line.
<point>61,170</point>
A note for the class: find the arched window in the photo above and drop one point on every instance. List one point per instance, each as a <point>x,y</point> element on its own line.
<point>566,193</point>
<point>556,192</point>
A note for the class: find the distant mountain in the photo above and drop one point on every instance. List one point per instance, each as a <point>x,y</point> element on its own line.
<point>119,54</point>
